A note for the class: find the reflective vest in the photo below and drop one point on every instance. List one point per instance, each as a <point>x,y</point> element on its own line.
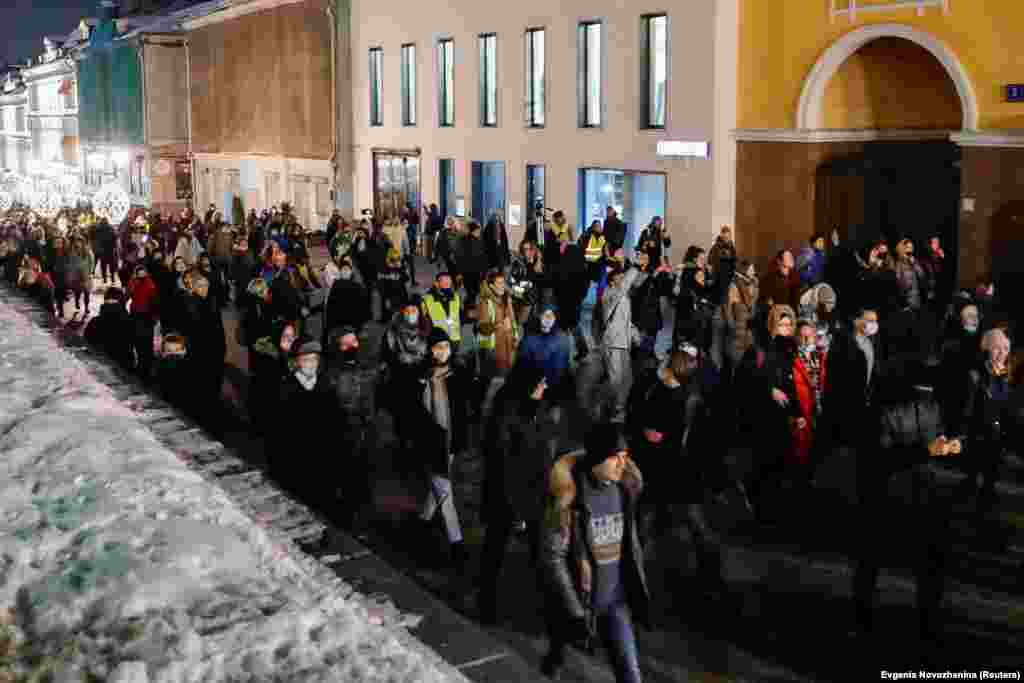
<point>595,248</point>
<point>489,341</point>
<point>450,324</point>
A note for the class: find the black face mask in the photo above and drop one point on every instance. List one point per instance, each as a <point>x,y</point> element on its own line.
<point>446,292</point>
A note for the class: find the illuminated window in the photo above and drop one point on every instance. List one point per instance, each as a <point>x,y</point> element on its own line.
<point>655,74</point>
<point>376,86</point>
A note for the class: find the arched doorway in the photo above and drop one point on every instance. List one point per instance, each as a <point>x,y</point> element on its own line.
<point>902,96</point>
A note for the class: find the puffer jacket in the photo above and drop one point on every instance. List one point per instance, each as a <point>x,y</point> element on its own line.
<point>567,548</point>
<point>355,387</point>
<point>738,312</point>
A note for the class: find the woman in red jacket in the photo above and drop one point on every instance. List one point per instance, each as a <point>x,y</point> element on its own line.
<point>143,293</point>
<point>809,377</point>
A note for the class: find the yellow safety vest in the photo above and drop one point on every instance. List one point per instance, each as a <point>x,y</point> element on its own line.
<point>489,341</point>
<point>595,248</point>
<point>450,324</point>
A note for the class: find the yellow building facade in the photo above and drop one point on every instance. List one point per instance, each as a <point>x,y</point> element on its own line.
<point>834,94</point>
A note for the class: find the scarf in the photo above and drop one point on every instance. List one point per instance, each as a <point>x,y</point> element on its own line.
<point>812,362</point>
<point>405,341</point>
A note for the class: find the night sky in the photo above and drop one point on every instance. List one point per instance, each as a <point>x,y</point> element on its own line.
<point>23,23</point>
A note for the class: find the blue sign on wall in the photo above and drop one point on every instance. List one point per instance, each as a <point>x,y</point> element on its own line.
<point>1015,92</point>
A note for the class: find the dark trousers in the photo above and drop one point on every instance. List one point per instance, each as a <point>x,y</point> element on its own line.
<point>143,343</point>
<point>471,281</point>
<point>108,266</point>
<point>499,531</point>
<point>60,296</point>
<point>615,628</point>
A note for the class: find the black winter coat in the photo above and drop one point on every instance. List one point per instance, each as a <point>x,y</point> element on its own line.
<point>472,256</point>
<point>348,303</point>
<point>849,392</point>
<point>112,332</point>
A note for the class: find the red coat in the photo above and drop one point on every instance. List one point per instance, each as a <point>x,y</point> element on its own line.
<point>143,294</point>
<point>803,439</point>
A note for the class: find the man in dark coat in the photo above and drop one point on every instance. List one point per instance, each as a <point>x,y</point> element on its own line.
<point>112,331</point>
<point>614,230</point>
<point>472,260</point>
<point>205,328</point>
<point>354,386</point>
<point>106,249</point>
<point>521,443</point>
<point>306,410</point>
<point>568,277</point>
<point>496,242</point>
<point>348,303</point>
<point>910,434</point>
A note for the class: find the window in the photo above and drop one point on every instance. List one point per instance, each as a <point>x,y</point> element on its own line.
<point>654,78</point>
<point>535,77</point>
<point>446,82</point>
<point>446,174</point>
<point>488,80</point>
<point>408,85</point>
<point>376,86</point>
<point>590,57</point>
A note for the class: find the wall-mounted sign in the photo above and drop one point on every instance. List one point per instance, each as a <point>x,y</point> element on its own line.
<point>681,148</point>
<point>1015,92</point>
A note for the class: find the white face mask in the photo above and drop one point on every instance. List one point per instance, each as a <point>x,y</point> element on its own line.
<point>808,349</point>
<point>971,327</point>
<point>546,325</point>
<point>441,357</point>
<point>308,369</point>
<point>412,318</point>
<point>345,274</point>
<point>870,328</point>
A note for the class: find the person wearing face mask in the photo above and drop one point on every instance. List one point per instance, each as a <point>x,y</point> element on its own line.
<point>960,351</point>
<point>354,386</point>
<point>444,395</point>
<point>348,302</point>
<point>111,331</point>
<point>547,348</point>
<point>404,357</point>
<point>205,329</point>
<point>442,308</point>
<point>766,380</point>
<point>306,409</point>
<point>392,282</point>
<point>810,379</point>
<point>174,373</point>
<point>520,444</point>
<point>986,419</point>
<point>268,365</point>
<point>855,369</point>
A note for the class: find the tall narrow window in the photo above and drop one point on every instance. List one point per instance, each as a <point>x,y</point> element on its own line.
<point>591,86</point>
<point>446,82</point>
<point>535,77</point>
<point>408,85</point>
<point>488,80</point>
<point>376,86</point>
<point>655,73</point>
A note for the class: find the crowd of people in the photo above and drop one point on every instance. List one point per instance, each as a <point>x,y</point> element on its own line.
<point>636,366</point>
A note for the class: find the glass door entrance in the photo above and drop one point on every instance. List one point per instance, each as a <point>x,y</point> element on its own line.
<point>396,184</point>
<point>488,190</point>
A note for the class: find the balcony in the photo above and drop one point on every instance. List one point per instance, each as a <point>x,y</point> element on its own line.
<point>851,8</point>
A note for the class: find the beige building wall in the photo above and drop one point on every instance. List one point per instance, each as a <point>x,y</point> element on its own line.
<point>701,97</point>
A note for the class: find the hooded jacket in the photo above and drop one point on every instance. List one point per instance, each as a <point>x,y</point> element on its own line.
<point>617,312</point>
<point>567,555</point>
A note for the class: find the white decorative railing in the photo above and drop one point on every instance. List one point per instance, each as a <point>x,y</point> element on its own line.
<point>851,8</point>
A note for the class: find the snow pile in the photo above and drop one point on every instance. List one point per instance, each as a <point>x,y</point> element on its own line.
<point>118,563</point>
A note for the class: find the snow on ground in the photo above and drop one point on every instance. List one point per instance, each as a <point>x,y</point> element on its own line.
<point>119,563</point>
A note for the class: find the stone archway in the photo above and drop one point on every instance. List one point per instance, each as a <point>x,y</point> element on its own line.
<point>809,114</point>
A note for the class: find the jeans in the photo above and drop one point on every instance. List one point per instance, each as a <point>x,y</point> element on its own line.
<point>440,496</point>
<point>615,628</point>
<point>585,327</point>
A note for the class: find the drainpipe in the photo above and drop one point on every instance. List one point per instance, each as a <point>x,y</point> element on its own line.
<point>188,118</point>
<point>145,116</point>
<point>334,101</point>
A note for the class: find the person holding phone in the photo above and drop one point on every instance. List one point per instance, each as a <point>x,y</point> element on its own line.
<point>904,516</point>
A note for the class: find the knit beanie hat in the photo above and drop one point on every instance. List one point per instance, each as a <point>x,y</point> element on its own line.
<point>436,336</point>
<point>602,442</point>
